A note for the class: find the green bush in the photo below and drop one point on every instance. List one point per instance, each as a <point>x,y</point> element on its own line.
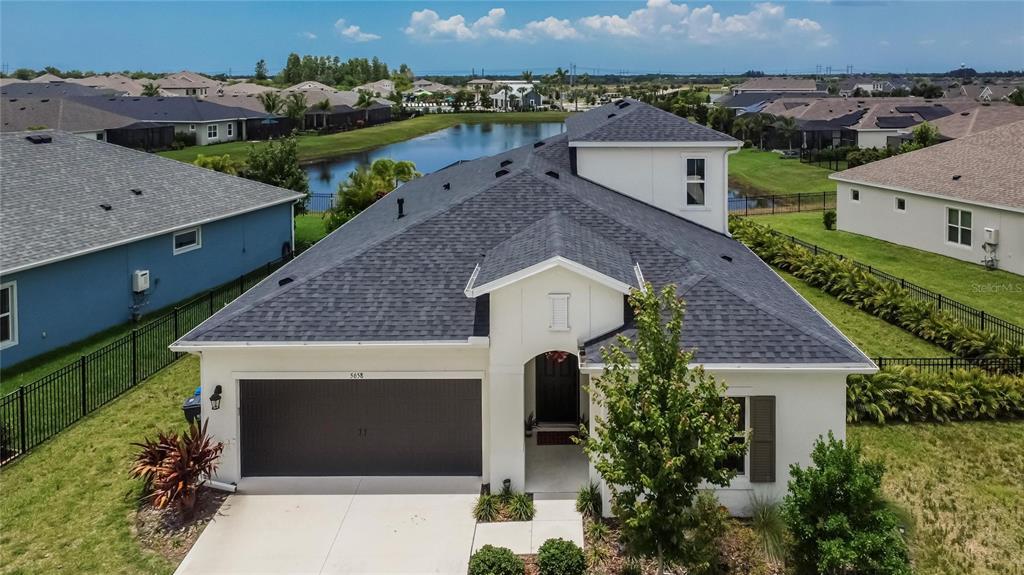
<point>588,500</point>
<point>851,284</point>
<point>839,521</point>
<point>487,507</point>
<point>491,560</point>
<point>908,394</point>
<point>707,523</point>
<point>561,557</point>
<point>520,507</point>
<point>828,217</point>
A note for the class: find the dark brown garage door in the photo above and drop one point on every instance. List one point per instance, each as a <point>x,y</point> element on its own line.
<point>360,427</point>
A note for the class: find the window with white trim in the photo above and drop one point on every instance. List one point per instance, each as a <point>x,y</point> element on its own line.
<point>211,131</point>
<point>854,195</point>
<point>188,240</point>
<point>191,127</point>
<point>559,311</point>
<point>8,315</point>
<point>231,129</point>
<point>739,464</point>
<point>899,204</point>
<point>695,181</point>
<point>958,226</point>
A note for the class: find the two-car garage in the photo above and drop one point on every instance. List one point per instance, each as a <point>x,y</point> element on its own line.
<point>360,427</point>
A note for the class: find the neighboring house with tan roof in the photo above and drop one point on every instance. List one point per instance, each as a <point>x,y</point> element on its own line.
<point>777,84</point>
<point>978,119</point>
<point>381,88</point>
<point>47,77</point>
<point>963,199</point>
<point>244,89</point>
<point>187,83</point>
<point>988,92</point>
<point>124,85</point>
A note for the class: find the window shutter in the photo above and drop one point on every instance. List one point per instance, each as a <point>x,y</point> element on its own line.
<point>762,442</point>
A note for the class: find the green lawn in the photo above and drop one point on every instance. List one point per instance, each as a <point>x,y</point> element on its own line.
<point>758,172</point>
<point>69,505</point>
<point>316,147</point>
<point>961,484</point>
<point>309,228</point>
<point>997,292</point>
<point>874,336</point>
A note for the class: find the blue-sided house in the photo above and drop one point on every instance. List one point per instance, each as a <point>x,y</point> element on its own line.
<point>93,235</point>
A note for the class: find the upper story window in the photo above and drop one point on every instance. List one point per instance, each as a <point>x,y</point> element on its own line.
<point>8,315</point>
<point>695,181</point>
<point>854,195</point>
<point>900,204</point>
<point>958,226</point>
<point>191,127</point>
<point>188,240</point>
<point>211,131</point>
<point>559,303</point>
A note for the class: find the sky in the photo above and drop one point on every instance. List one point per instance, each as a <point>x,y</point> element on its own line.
<point>511,36</point>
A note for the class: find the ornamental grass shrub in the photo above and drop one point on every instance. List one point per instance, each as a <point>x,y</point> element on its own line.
<point>858,287</point>
<point>910,395</point>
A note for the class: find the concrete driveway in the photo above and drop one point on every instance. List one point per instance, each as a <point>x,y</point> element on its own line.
<point>347,525</point>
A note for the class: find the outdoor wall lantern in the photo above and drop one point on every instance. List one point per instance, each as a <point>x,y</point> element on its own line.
<point>215,398</point>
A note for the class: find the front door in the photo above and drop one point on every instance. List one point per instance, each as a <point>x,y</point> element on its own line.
<point>558,388</point>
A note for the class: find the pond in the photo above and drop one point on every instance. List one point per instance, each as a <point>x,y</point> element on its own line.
<point>434,151</point>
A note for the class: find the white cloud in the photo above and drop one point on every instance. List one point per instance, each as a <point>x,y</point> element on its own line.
<point>428,25</point>
<point>353,33</point>
<point>307,35</point>
<point>926,42</point>
<point>703,25</point>
<point>884,43</point>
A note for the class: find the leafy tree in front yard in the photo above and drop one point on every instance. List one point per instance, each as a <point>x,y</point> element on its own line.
<point>365,185</point>
<point>277,163</point>
<point>222,163</point>
<point>667,430</point>
<point>840,522</point>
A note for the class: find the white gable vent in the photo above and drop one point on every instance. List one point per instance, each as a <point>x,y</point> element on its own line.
<point>559,303</point>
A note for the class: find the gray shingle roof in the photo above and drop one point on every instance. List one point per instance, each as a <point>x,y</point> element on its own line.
<point>630,120</point>
<point>556,235</point>
<point>51,195</point>
<point>384,278</point>
<point>169,109</point>
<point>17,114</point>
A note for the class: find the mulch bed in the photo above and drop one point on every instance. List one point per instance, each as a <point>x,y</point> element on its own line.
<point>167,533</point>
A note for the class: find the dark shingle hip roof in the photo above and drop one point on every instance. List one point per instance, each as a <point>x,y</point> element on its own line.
<point>384,278</point>
<point>51,195</point>
<point>633,121</point>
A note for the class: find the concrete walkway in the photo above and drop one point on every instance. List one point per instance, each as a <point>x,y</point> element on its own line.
<point>555,518</point>
<point>347,526</point>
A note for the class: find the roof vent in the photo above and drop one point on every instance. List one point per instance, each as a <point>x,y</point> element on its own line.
<point>500,173</point>
<point>135,99</point>
<point>401,207</point>
<point>447,186</point>
<point>106,207</point>
<point>551,174</point>
<point>506,163</point>
<point>44,100</point>
<point>623,104</point>
<point>956,178</point>
<point>137,191</point>
<point>965,113</point>
<point>13,100</point>
<point>285,281</point>
<point>612,115</point>
<point>538,144</point>
<point>726,258</point>
<point>39,139</point>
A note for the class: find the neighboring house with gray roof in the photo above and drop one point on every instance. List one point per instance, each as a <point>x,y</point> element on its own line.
<point>92,234</point>
<point>963,198</point>
<point>418,337</point>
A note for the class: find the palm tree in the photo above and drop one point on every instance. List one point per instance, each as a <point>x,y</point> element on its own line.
<point>392,172</point>
<point>325,109</point>
<point>521,90</point>
<point>272,102</point>
<point>721,118</point>
<point>363,103</point>
<point>501,87</point>
<point>527,76</point>
<point>787,128</point>
<point>741,126</point>
<point>559,80</point>
<point>150,89</point>
<point>295,106</point>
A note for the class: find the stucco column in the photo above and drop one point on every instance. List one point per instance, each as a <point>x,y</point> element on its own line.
<point>508,448</point>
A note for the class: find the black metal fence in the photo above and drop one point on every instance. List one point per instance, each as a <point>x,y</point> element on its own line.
<point>1010,365</point>
<point>967,315</point>
<point>318,203</point>
<point>39,410</point>
<point>765,205</point>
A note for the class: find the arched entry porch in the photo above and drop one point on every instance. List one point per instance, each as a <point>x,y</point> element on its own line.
<point>555,404</point>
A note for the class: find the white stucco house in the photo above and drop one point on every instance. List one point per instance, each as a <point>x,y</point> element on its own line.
<point>963,198</point>
<point>416,339</point>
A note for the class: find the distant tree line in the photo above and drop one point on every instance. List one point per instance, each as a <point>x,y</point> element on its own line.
<point>334,71</point>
